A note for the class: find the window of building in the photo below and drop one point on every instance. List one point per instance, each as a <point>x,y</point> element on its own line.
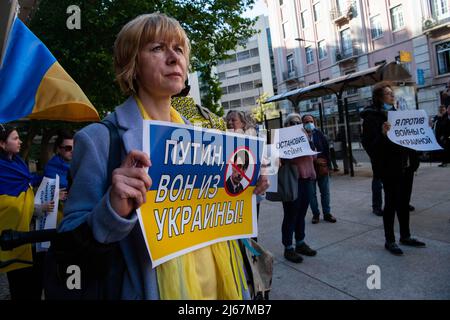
<point>232,73</point>
<point>224,90</point>
<point>303,19</point>
<point>254,52</point>
<point>290,63</point>
<point>284,30</point>
<point>443,57</point>
<point>234,88</point>
<point>235,103</point>
<point>257,83</point>
<point>322,49</point>
<point>309,55</point>
<point>243,55</point>
<point>397,18</point>
<point>231,59</point>
<point>225,104</point>
<point>440,8</point>
<point>342,6</point>
<point>245,86</point>
<point>256,68</point>
<point>376,27</point>
<point>248,101</point>
<point>245,70</point>
<point>346,42</point>
<point>222,76</point>
<point>316,11</point>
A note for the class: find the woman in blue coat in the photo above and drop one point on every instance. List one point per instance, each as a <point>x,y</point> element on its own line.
<point>151,56</point>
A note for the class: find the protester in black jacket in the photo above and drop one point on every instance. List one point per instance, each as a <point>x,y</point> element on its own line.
<point>392,163</point>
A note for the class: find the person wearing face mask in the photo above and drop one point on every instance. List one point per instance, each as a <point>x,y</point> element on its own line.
<point>393,164</point>
<point>322,163</point>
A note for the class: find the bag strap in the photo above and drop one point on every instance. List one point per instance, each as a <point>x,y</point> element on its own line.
<point>115,148</point>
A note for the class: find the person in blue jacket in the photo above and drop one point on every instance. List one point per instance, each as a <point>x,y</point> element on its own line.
<point>59,164</point>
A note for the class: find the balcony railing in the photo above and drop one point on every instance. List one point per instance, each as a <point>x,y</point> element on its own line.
<point>290,75</point>
<point>339,15</point>
<point>435,21</point>
<point>347,54</point>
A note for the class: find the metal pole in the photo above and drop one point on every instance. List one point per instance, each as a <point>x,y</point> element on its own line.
<point>349,138</point>
<point>341,131</point>
<point>320,80</point>
<point>321,117</point>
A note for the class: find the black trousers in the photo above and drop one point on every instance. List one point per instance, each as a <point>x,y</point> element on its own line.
<point>24,284</point>
<point>397,193</point>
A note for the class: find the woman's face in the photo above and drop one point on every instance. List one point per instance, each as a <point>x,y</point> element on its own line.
<point>162,68</point>
<point>388,96</point>
<point>234,122</point>
<point>12,143</point>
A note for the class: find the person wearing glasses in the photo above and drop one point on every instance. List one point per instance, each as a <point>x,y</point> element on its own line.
<point>59,164</point>
<point>16,211</point>
<point>393,164</point>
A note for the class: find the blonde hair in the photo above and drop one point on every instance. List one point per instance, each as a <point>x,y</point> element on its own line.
<point>134,36</point>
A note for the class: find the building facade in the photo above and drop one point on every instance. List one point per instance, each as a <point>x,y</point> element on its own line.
<point>247,74</point>
<point>317,40</point>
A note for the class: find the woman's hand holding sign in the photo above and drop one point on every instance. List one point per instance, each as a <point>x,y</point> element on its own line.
<point>262,185</point>
<point>130,183</point>
<point>386,127</point>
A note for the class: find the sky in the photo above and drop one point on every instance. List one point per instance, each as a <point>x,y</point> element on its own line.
<point>258,9</point>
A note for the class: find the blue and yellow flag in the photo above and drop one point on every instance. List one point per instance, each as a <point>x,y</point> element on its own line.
<point>34,85</point>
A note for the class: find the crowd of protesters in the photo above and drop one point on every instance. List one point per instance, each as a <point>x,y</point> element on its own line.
<point>105,203</point>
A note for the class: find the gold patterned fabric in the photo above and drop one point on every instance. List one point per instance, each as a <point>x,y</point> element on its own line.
<point>198,115</point>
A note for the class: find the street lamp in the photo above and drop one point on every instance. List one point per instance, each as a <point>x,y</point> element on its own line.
<point>318,73</point>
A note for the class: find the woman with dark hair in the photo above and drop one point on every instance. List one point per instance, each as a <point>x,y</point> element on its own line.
<point>392,164</point>
<point>16,211</point>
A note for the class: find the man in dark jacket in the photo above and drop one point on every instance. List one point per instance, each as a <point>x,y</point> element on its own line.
<point>443,136</point>
<point>395,165</point>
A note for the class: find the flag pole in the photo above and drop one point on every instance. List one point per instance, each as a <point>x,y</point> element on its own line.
<point>10,7</point>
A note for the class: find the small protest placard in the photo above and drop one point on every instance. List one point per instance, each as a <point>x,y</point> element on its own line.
<point>48,191</point>
<point>292,142</point>
<point>410,129</point>
<point>202,188</point>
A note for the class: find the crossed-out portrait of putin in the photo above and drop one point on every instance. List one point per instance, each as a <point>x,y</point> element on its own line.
<point>241,163</point>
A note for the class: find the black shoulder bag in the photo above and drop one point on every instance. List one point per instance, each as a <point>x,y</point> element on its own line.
<point>101,266</point>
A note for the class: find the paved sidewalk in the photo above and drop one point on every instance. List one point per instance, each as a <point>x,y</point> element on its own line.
<point>348,247</point>
<point>356,241</point>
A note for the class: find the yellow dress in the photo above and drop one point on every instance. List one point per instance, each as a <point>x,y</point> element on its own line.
<point>213,272</point>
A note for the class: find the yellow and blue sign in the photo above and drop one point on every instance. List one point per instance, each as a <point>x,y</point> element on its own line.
<point>202,188</point>
<point>34,85</point>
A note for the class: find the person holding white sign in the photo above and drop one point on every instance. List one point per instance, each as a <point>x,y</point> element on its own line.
<point>392,163</point>
<point>293,225</point>
<point>151,56</point>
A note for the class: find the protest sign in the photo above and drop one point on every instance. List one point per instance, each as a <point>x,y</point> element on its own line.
<point>202,188</point>
<point>48,191</point>
<point>291,142</point>
<point>410,129</point>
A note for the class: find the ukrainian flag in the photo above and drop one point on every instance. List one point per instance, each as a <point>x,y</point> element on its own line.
<point>34,85</point>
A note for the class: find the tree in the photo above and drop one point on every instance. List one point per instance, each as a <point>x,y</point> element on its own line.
<point>213,26</point>
<point>264,109</point>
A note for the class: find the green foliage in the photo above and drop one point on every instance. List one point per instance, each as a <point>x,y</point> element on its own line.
<point>268,109</point>
<point>213,26</point>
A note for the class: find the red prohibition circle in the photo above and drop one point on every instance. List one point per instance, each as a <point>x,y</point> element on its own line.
<point>229,163</point>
